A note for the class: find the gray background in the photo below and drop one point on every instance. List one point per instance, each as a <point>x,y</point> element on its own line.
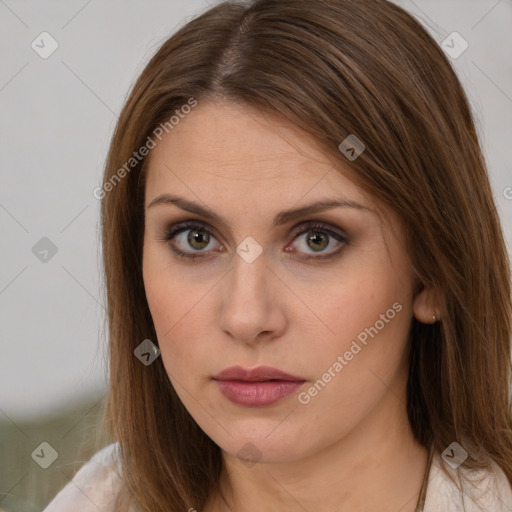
<point>57,118</point>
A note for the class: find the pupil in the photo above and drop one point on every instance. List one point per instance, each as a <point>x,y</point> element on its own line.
<point>317,238</point>
<point>194,238</point>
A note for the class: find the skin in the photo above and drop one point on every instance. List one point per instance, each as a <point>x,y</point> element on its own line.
<point>351,447</point>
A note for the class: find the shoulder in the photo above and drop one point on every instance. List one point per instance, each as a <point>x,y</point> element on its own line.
<point>469,491</point>
<point>94,487</point>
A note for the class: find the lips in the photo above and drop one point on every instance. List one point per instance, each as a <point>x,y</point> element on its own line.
<point>260,374</point>
<point>258,387</point>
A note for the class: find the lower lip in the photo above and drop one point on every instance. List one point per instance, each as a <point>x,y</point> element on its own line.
<point>257,394</point>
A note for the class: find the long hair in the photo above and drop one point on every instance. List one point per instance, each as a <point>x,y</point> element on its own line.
<point>334,68</point>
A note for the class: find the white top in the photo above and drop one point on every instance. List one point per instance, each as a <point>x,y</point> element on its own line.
<point>95,486</point>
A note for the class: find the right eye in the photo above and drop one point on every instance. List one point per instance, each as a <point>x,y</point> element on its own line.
<point>185,236</point>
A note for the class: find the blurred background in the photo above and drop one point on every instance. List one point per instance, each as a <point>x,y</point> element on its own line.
<point>66,70</point>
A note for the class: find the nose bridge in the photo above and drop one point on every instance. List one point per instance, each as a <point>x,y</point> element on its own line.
<point>246,307</point>
<point>248,280</point>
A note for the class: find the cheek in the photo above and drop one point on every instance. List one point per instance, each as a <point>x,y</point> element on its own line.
<point>174,306</point>
<point>168,297</point>
<point>163,300</point>
<point>352,302</point>
<point>368,316</point>
<point>363,365</point>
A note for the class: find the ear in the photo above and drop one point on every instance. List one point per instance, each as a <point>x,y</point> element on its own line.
<point>426,307</point>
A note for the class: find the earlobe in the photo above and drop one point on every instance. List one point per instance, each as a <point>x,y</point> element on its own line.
<point>425,307</point>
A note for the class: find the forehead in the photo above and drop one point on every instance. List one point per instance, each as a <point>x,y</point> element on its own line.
<point>225,149</point>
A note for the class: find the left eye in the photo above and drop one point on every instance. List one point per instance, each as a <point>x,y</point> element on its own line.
<point>319,238</point>
<point>199,237</point>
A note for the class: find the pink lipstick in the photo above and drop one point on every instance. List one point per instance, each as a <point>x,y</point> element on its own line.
<point>257,387</point>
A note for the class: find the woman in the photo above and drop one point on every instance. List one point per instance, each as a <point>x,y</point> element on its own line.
<point>308,289</point>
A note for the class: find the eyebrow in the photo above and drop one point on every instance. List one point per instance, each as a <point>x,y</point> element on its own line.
<point>281,218</point>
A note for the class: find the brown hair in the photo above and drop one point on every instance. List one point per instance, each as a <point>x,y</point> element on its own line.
<point>334,68</point>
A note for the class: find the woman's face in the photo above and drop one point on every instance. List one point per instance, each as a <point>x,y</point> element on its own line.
<point>324,295</point>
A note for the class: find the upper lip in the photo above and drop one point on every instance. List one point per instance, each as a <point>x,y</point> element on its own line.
<point>259,374</point>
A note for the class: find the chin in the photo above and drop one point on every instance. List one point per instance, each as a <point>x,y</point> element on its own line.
<point>264,444</point>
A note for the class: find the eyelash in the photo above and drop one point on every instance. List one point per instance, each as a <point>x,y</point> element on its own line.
<point>305,228</point>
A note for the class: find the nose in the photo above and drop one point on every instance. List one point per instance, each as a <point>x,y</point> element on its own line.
<point>252,306</point>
